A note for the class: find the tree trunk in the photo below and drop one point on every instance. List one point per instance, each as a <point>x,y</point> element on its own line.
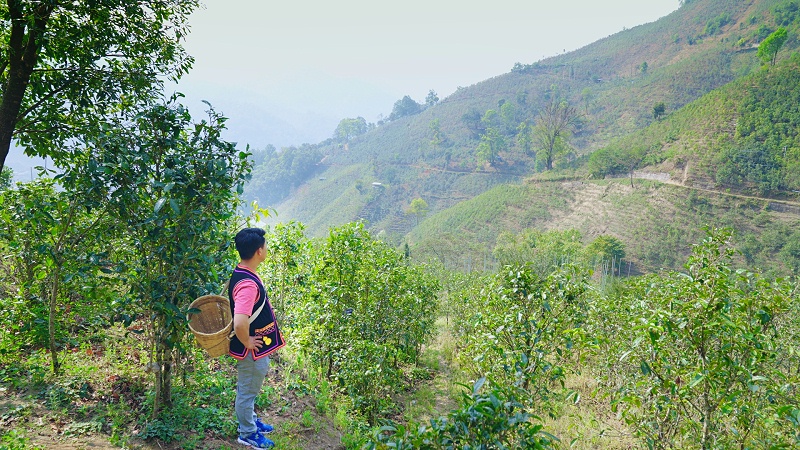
<point>52,319</point>
<point>23,53</point>
<point>165,376</point>
<point>163,370</point>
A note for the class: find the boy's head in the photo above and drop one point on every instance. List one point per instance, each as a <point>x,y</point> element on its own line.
<point>248,241</point>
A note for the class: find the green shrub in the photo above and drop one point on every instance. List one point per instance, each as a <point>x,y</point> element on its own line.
<point>702,358</point>
<point>493,419</point>
<point>361,312</point>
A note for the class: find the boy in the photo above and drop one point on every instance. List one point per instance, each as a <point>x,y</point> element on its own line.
<point>256,334</point>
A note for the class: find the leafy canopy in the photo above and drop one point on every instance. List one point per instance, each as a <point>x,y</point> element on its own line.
<point>52,90</point>
<point>768,50</point>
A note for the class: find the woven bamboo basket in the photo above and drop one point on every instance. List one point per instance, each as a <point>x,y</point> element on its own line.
<point>212,325</point>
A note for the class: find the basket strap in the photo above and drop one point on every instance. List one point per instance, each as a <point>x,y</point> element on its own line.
<point>251,319</point>
<point>224,292</point>
<point>255,314</point>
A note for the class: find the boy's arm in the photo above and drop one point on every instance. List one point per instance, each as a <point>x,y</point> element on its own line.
<point>241,327</point>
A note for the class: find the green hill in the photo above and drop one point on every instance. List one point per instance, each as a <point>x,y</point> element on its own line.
<point>742,137</point>
<point>726,140</point>
<point>658,222</point>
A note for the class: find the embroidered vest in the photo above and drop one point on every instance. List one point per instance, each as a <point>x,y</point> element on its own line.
<point>264,325</point>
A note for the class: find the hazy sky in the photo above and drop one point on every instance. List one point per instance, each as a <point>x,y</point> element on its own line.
<point>309,63</point>
<point>404,47</point>
<point>286,72</point>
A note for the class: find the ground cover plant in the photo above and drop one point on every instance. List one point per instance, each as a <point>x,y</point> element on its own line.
<point>360,316</point>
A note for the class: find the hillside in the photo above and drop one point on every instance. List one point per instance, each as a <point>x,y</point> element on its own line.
<point>714,161</point>
<point>658,222</point>
<point>613,85</point>
<point>742,137</point>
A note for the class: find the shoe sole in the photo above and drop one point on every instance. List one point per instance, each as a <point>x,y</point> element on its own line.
<point>247,444</point>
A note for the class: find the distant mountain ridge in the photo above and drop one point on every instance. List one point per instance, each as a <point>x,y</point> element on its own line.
<point>614,83</point>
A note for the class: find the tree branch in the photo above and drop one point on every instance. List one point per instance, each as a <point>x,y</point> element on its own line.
<point>96,70</point>
<point>25,129</point>
<point>47,96</point>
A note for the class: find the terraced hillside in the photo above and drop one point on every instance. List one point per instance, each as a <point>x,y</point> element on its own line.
<point>657,221</point>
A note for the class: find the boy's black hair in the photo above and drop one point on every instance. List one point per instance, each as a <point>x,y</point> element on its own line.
<point>248,241</point>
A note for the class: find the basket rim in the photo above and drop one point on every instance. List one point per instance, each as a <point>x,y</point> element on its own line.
<point>206,297</point>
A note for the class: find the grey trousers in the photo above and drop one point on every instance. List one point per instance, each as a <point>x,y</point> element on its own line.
<point>250,377</point>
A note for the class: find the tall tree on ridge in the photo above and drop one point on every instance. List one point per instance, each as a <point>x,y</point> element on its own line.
<point>769,48</point>
<point>554,126</point>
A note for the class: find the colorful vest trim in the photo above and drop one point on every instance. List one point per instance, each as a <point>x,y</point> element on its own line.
<point>264,325</point>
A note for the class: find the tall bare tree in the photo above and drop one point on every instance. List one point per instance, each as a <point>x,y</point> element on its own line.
<point>554,126</point>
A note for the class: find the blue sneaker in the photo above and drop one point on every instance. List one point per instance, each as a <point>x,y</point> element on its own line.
<point>256,440</point>
<point>265,428</point>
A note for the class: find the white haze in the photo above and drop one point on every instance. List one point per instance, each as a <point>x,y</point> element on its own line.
<point>286,72</point>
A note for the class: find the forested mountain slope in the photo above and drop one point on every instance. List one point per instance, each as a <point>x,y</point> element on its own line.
<point>489,134</point>
<point>743,137</point>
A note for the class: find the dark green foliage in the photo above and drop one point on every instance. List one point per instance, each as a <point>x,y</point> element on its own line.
<point>280,172</point>
<point>786,13</point>
<point>522,331</point>
<point>406,106</point>
<point>518,67</point>
<point>755,36</point>
<point>472,120</point>
<point>437,137</point>
<point>431,99</point>
<point>617,159</point>
<point>604,162</point>
<point>350,128</point>
<point>701,357</point>
<point>540,252</point>
<point>714,26</point>
<point>361,312</point>
<point>773,247</point>
<point>754,164</point>
<point>52,278</point>
<point>768,141</point>
<point>790,252</point>
<point>744,136</point>
<point>490,146</point>
<point>176,183</point>
<point>6,175</point>
<point>518,330</point>
<point>659,109</point>
<point>54,91</point>
<point>606,249</point>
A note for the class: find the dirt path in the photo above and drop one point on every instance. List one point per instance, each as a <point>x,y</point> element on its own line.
<point>443,382</point>
<point>648,176</point>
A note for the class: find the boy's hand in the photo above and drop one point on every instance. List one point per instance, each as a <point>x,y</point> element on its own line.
<point>255,342</point>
